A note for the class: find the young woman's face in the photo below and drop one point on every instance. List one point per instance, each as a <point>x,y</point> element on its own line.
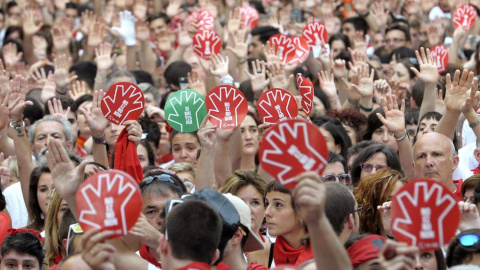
<point>254,199</point>
<point>44,187</point>
<point>61,211</point>
<point>281,217</point>
<point>337,47</point>
<point>185,147</point>
<point>331,146</point>
<point>249,131</point>
<point>401,73</point>
<point>383,135</point>
<point>142,155</point>
<point>111,134</point>
<point>426,261</point>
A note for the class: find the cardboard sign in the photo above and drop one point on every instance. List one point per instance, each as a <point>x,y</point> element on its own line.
<point>424,214</point>
<point>109,200</point>
<point>305,87</point>
<point>206,43</point>
<point>123,101</point>
<point>291,148</point>
<point>464,16</point>
<point>284,47</point>
<point>4,224</point>
<point>185,110</point>
<point>227,106</point>
<point>301,50</point>
<point>315,33</point>
<point>203,18</point>
<point>440,52</point>
<point>277,105</point>
<point>249,17</point>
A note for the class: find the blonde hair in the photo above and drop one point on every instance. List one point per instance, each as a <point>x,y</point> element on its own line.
<point>53,243</point>
<point>183,167</point>
<point>240,179</point>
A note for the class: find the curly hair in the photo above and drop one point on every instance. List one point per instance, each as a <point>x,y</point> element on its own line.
<point>371,192</point>
<point>351,118</point>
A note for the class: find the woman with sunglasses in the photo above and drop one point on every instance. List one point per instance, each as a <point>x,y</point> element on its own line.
<point>464,249</point>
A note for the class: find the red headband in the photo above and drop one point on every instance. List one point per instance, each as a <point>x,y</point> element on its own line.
<point>15,231</point>
<point>365,249</point>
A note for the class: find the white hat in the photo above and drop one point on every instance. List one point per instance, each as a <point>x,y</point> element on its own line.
<point>253,242</point>
<point>437,13</point>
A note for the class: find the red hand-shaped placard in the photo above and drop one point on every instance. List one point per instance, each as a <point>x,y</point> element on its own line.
<point>305,87</point>
<point>315,33</point>
<point>464,16</point>
<point>176,23</point>
<point>206,43</point>
<point>203,18</point>
<point>109,200</point>
<point>277,105</point>
<point>4,224</point>
<point>301,50</point>
<point>424,214</point>
<point>227,106</point>
<point>284,47</point>
<point>440,53</point>
<point>249,17</point>
<point>123,101</point>
<point>290,148</point>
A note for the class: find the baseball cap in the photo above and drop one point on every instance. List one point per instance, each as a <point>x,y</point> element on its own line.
<point>253,241</point>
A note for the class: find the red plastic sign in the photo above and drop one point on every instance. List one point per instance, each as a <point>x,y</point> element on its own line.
<point>176,23</point>
<point>315,33</point>
<point>440,52</point>
<point>424,214</point>
<point>301,50</point>
<point>291,148</point>
<point>203,18</point>
<point>277,105</point>
<point>4,224</point>
<point>123,101</point>
<point>249,17</point>
<point>109,200</point>
<point>284,47</point>
<point>464,16</point>
<point>227,106</point>
<point>305,87</point>
<point>206,43</point>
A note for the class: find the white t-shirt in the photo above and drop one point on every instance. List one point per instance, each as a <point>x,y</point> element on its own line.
<point>465,154</point>
<point>16,206</point>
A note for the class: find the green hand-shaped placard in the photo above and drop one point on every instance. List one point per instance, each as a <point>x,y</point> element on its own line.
<point>185,110</point>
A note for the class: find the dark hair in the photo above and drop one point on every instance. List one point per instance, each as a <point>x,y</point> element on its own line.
<point>408,63</point>
<point>358,147</point>
<point>151,128</point>
<point>264,33</point>
<point>436,116</point>
<point>11,4</point>
<point>339,205</point>
<point>341,37</point>
<point>3,203</point>
<point>411,117</point>
<point>352,240</point>
<point>142,76</point>
<point>417,92</point>
<point>161,16</point>
<point>161,188</point>
<point>34,211</point>
<point>359,23</point>
<point>150,153</point>
<point>276,186</point>
<point>24,243</point>
<point>246,89</point>
<point>71,5</point>
<point>34,112</point>
<point>373,123</point>
<point>338,132</point>
<point>334,157</point>
<point>476,193</point>
<point>66,102</point>
<point>403,52</point>
<point>82,99</point>
<point>240,179</point>
<point>13,29</point>
<point>457,253</point>
<point>193,229</point>
<point>86,71</point>
<point>393,161</point>
<point>175,71</point>
<point>401,27</point>
<point>352,118</point>
<point>176,132</point>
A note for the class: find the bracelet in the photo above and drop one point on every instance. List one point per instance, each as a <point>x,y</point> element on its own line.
<point>61,93</point>
<point>364,15</point>
<point>99,140</point>
<point>474,124</point>
<point>227,79</point>
<point>16,121</point>
<point>18,128</point>
<point>365,109</point>
<point>402,137</point>
<point>243,61</point>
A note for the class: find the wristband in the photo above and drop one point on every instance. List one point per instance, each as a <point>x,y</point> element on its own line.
<point>99,140</point>
<point>401,137</point>
<point>351,102</point>
<point>365,109</point>
<point>18,128</point>
<point>474,124</point>
<point>227,79</point>
<point>61,93</point>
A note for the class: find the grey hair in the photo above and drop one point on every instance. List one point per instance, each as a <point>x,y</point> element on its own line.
<point>67,128</point>
<point>119,73</point>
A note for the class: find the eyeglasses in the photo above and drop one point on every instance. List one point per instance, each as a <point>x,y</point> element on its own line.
<point>76,229</point>
<point>468,240</point>
<point>394,40</point>
<point>369,167</point>
<point>344,178</point>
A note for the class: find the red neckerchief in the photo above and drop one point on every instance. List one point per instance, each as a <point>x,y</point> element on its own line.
<point>166,158</point>
<point>57,259</point>
<point>195,266</point>
<point>285,254</point>
<point>148,257</point>
<point>476,170</point>
<point>256,266</point>
<point>126,158</point>
<point>222,266</point>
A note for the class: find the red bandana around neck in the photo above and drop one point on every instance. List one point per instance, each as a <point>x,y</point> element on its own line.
<point>285,254</point>
<point>195,266</point>
<point>126,158</point>
<point>148,257</point>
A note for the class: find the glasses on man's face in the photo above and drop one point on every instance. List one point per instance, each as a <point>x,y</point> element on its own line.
<point>76,229</point>
<point>366,167</point>
<point>394,40</point>
<point>343,178</point>
<point>468,240</point>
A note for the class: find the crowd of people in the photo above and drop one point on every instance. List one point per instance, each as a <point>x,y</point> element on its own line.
<point>391,109</point>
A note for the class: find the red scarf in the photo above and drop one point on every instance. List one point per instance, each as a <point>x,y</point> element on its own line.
<point>476,170</point>
<point>285,254</point>
<point>126,158</point>
<point>195,266</point>
<point>148,257</point>
<point>57,259</point>
<point>256,266</point>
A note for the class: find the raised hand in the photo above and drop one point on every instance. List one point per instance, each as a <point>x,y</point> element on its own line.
<point>97,34</point>
<point>472,98</point>
<point>206,134</point>
<point>140,10</point>
<point>97,252</point>
<point>39,76</point>
<point>155,113</point>
<point>469,216</point>
<point>339,67</point>
<point>95,119</point>
<point>456,91</point>
<point>104,57</point>
<point>379,13</point>
<point>5,108</point>
<point>277,77</point>
<point>360,43</point>
<point>240,48</point>
<point>127,28</point>
<point>270,56</point>
<point>48,90</point>
<point>134,131</point>
<point>327,84</point>
<point>79,88</point>
<point>4,79</point>
<point>10,54</point>
<point>88,20</point>
<point>428,67</point>
<point>394,118</point>
<point>16,100</point>
<point>195,82</point>
<point>62,64</point>
<point>29,25</point>
<point>386,214</point>
<point>258,77</point>
<point>61,38</point>
<point>234,21</point>
<point>56,109</point>
<point>310,196</point>
<point>145,232</point>
<point>219,66</point>
<point>363,81</point>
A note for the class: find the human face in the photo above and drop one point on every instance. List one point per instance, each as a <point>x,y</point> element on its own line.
<point>378,41</point>
<point>46,130</point>
<point>249,131</point>
<point>331,146</point>
<point>426,126</point>
<point>425,261</point>
<point>149,100</point>
<point>348,30</point>
<point>319,106</point>
<point>153,205</point>
<point>468,197</point>
<point>71,13</point>
<point>400,73</point>
<point>85,131</point>
<point>337,46</point>
<point>44,187</point>
<point>142,155</point>
<point>395,39</point>
<point>254,199</point>
<point>15,260</point>
<point>157,26</point>
<point>185,147</point>
<point>255,48</point>
<point>433,158</point>
<point>376,159</point>
<point>281,217</point>
<point>335,168</point>
<point>111,133</point>
<point>61,211</point>
<point>352,133</point>
<point>383,135</point>
<point>411,130</point>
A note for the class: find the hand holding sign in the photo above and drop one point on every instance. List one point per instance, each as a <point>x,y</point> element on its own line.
<point>123,101</point>
<point>315,34</point>
<point>277,105</point>
<point>249,17</point>
<point>301,50</point>
<point>185,110</point>
<point>284,47</point>
<point>227,106</point>
<point>290,148</point>
<point>109,200</point>
<point>305,87</point>
<point>206,43</point>
<point>424,214</point>
<point>464,16</point>
<point>440,54</point>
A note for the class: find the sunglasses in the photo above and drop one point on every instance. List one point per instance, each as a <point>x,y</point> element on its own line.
<point>167,176</point>
<point>468,240</point>
<point>76,229</point>
<point>369,167</point>
<point>343,178</point>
